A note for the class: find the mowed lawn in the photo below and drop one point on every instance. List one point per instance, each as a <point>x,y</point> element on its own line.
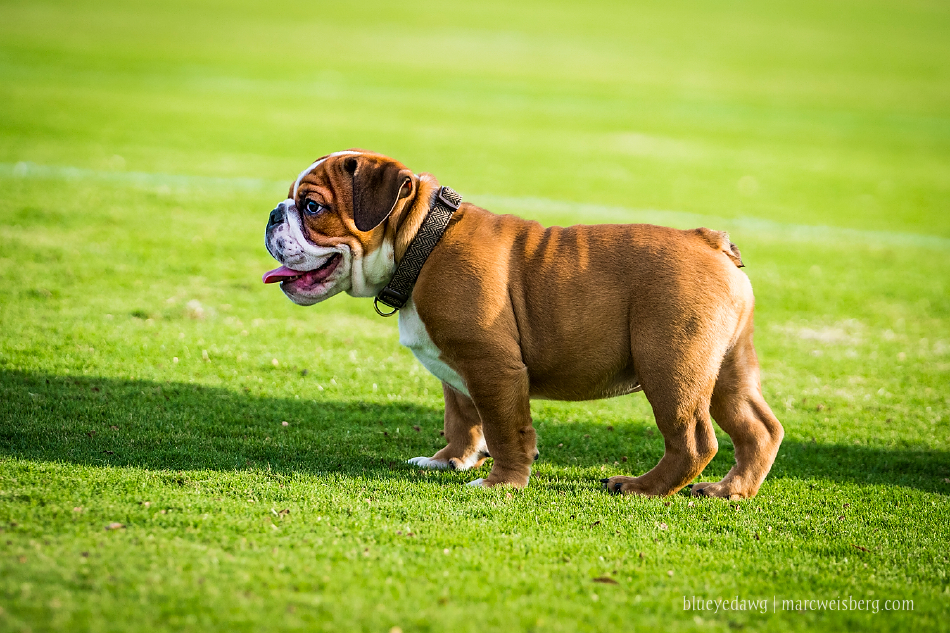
<point>183,449</point>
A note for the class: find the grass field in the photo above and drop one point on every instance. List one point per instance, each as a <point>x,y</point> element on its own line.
<point>146,375</point>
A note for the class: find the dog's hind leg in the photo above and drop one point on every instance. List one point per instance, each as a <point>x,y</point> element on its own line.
<point>680,395</point>
<point>739,408</point>
<point>463,430</point>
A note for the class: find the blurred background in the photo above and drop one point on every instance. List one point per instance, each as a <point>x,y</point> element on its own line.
<point>806,113</point>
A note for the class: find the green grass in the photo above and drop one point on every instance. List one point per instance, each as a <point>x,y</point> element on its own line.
<point>142,146</point>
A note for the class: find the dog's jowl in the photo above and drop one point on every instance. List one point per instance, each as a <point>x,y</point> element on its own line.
<point>502,310</point>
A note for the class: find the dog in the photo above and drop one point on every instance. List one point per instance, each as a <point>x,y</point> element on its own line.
<point>503,310</point>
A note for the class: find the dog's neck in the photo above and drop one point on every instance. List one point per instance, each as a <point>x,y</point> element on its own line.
<point>407,223</point>
<point>399,289</point>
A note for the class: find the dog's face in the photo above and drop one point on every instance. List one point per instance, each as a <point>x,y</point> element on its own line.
<point>331,234</point>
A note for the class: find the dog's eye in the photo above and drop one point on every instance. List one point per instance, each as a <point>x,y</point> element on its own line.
<point>313,208</point>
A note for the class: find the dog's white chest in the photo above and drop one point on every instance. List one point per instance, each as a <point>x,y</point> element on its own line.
<point>412,334</point>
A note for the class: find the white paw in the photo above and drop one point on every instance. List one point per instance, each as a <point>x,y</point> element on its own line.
<point>425,462</point>
<point>478,483</point>
<point>466,464</point>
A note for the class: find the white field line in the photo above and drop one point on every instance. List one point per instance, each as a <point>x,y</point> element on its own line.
<point>686,220</point>
<point>513,204</point>
<point>33,171</point>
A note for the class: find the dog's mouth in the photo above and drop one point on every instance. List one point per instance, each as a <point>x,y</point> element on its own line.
<point>303,280</point>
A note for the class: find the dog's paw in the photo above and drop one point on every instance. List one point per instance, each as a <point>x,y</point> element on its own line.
<point>614,485</point>
<point>630,486</point>
<point>478,483</point>
<point>716,490</point>
<point>472,461</point>
<point>453,463</point>
<point>428,462</point>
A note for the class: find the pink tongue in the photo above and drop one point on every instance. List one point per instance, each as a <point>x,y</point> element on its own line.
<point>280,274</point>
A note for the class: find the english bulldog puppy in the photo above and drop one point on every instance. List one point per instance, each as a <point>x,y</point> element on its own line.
<point>505,310</point>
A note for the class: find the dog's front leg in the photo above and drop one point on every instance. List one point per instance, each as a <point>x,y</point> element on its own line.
<point>500,394</point>
<point>463,431</point>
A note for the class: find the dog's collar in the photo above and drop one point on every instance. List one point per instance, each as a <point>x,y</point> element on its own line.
<point>397,293</point>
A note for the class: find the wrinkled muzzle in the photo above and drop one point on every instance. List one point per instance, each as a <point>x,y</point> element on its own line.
<point>308,273</point>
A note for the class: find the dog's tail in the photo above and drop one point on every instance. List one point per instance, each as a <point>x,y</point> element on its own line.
<point>719,240</point>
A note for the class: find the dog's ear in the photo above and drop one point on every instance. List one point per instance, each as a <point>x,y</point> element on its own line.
<point>377,186</point>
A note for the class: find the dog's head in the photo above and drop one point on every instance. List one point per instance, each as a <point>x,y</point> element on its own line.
<point>335,231</point>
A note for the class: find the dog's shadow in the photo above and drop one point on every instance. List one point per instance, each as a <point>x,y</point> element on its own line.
<point>177,427</point>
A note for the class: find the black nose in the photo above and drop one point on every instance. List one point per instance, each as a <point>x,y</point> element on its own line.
<point>276,216</point>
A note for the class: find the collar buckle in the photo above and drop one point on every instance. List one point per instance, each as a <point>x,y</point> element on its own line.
<point>393,298</point>
<point>376,302</point>
<point>450,198</point>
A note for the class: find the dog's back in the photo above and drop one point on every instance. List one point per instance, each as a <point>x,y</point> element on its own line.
<point>587,293</point>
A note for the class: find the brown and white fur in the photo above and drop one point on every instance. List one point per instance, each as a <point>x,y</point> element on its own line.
<point>506,310</point>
